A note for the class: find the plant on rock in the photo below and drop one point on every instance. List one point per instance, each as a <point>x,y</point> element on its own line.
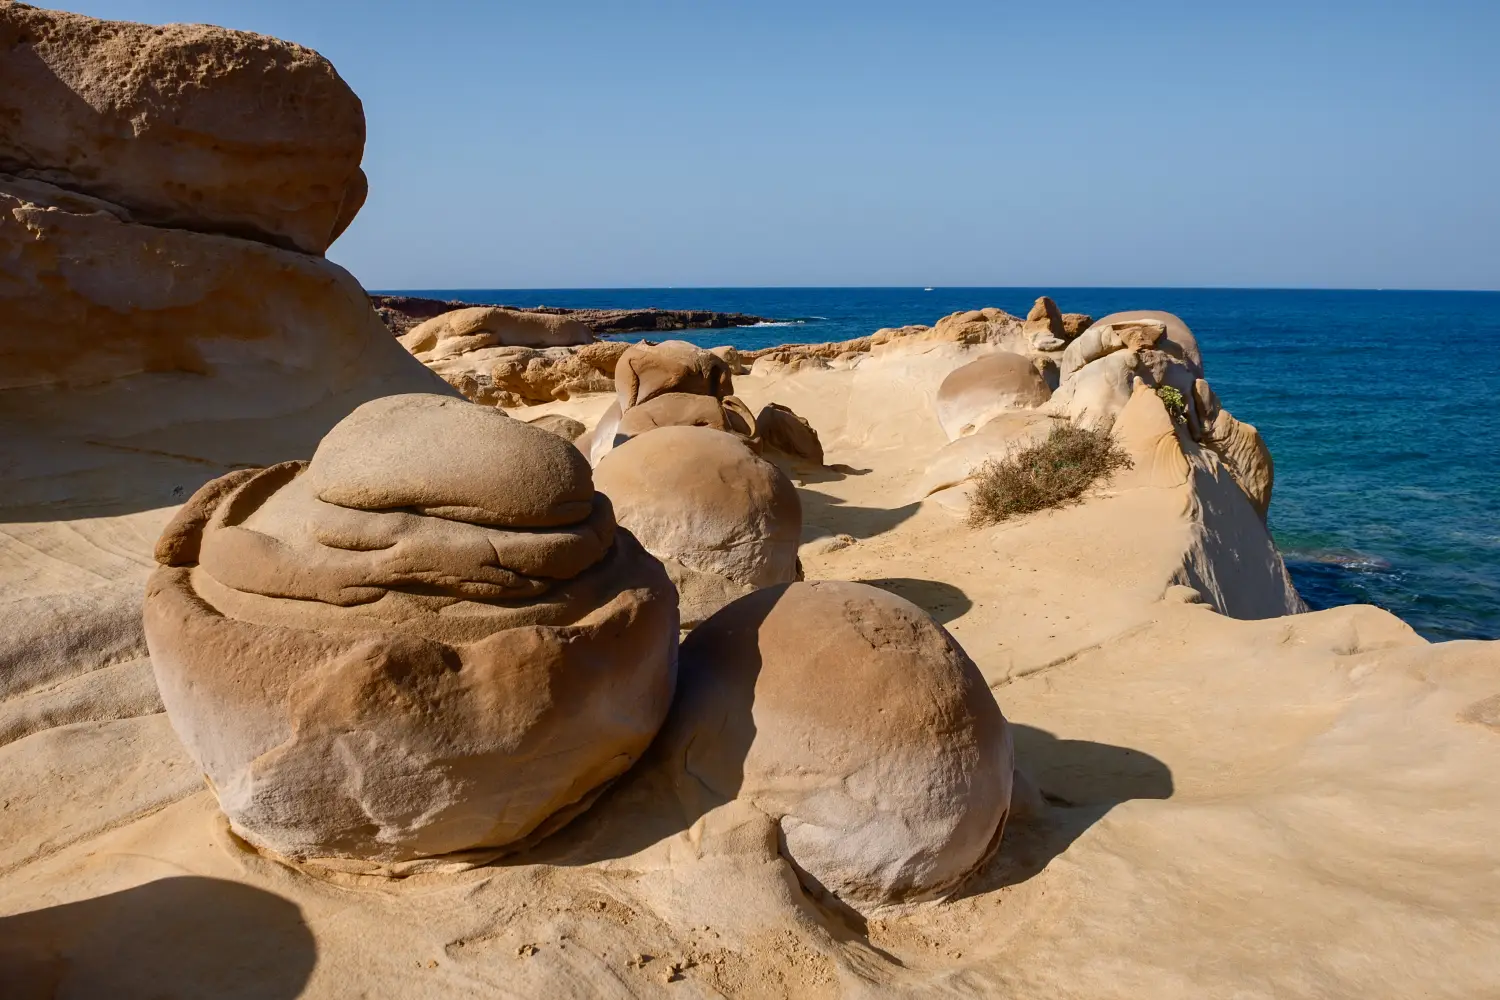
<point>1051,474</point>
<point>1173,400</point>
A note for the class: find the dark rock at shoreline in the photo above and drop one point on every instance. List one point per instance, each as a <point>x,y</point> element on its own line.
<point>403,312</point>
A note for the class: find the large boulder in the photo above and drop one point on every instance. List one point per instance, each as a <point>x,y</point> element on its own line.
<point>429,639</point>
<point>672,384</point>
<point>722,520</point>
<point>1177,341</point>
<point>646,370</point>
<point>136,362</point>
<point>475,327</point>
<point>780,429</point>
<point>685,409</point>
<point>995,383</point>
<point>860,725</point>
<point>1045,318</point>
<point>187,125</point>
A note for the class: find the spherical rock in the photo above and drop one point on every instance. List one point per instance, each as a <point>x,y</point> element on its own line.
<point>856,721</point>
<point>722,520</point>
<point>981,389</point>
<point>446,647</point>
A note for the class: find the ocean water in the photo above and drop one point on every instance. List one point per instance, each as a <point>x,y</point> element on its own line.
<point>1380,408</point>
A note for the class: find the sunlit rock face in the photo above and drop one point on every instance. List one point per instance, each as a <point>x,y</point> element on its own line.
<point>430,638</point>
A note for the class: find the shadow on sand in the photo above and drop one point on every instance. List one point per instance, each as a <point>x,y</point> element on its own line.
<point>943,601</point>
<point>176,937</point>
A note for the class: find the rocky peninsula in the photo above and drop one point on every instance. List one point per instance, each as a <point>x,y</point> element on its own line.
<point>403,312</point>
<point>497,659</point>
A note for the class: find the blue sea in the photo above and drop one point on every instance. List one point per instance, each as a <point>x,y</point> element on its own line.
<point>1380,408</point>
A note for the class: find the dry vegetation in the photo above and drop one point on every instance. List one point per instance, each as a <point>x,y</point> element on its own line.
<point>1056,472</point>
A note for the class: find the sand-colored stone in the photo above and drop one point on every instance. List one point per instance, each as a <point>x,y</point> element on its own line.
<point>1178,340</point>
<point>1240,446</point>
<point>564,427</point>
<point>980,390</point>
<point>722,520</point>
<point>189,126</point>
<point>1045,317</point>
<point>136,363</point>
<point>780,429</point>
<point>438,600</point>
<point>858,724</point>
<point>686,409</point>
<point>647,370</point>
<point>476,327</point>
<point>1001,436</point>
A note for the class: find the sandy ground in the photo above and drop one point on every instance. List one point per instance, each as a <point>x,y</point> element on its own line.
<point>1246,806</point>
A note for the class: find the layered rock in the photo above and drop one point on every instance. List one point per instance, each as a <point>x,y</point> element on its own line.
<point>1239,445</point>
<point>438,600</point>
<point>188,126</point>
<point>860,726</point>
<point>137,362</point>
<point>1177,341</point>
<point>723,520</point>
<point>980,390</point>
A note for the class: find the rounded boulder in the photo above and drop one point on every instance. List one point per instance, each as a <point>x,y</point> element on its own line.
<point>996,383</point>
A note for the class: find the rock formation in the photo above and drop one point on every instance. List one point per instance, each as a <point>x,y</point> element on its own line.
<point>403,313</point>
<point>857,723</point>
<point>1178,340</point>
<point>564,427</point>
<point>779,429</point>
<point>722,520</point>
<point>465,330</point>
<point>186,126</point>
<point>437,601</point>
<point>981,389</point>
<point>1240,446</point>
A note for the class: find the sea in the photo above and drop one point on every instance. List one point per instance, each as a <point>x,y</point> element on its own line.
<point>1381,409</point>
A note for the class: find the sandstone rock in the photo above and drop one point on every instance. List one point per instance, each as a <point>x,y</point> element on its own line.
<point>646,370</point>
<point>1045,317</point>
<point>1074,324</point>
<point>722,520</point>
<point>189,126</point>
<point>563,426</point>
<point>464,330</point>
<point>979,390</point>
<point>1179,340</point>
<point>138,362</point>
<point>731,356</point>
<point>857,722</point>
<point>786,363</point>
<point>429,639</point>
<point>541,376</point>
<point>481,389</point>
<point>782,430</point>
<point>685,409</point>
<point>1102,338</point>
<point>1240,446</point>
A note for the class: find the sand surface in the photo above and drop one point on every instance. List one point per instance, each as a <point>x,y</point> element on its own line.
<point>1240,804</point>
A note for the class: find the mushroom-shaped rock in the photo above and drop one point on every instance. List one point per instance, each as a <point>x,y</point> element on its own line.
<point>856,721</point>
<point>979,390</point>
<point>476,327</point>
<point>1178,340</point>
<point>647,370</point>
<point>780,429</point>
<point>723,520</point>
<point>429,639</point>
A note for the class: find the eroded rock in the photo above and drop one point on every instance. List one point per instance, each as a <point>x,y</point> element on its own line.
<point>993,384</point>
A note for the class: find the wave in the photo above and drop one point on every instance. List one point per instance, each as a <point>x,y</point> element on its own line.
<point>778,322</point>
<point>1342,558</point>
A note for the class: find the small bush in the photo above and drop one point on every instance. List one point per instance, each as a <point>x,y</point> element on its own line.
<point>1173,401</point>
<point>1051,474</point>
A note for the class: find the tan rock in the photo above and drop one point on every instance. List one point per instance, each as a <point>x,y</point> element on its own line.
<point>732,358</point>
<point>1074,324</point>
<point>1240,446</point>
<point>563,426</point>
<point>189,126</point>
<point>540,375</point>
<point>981,389</point>
<point>1178,341</point>
<point>857,723</point>
<point>1045,317</point>
<point>646,370</point>
<point>722,520</point>
<point>476,327</point>
<point>685,409</point>
<point>137,363</point>
<point>1102,338</point>
<point>786,363</point>
<point>438,600</point>
<point>782,430</point>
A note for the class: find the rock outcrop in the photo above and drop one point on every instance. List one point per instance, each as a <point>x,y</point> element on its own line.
<point>403,313</point>
<point>723,520</point>
<point>440,601</point>
<point>187,126</point>
<point>1239,445</point>
<point>1178,340</point>
<point>781,430</point>
<point>978,391</point>
<point>478,327</point>
<point>860,726</point>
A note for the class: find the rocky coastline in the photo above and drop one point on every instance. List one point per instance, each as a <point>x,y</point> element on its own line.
<point>403,312</point>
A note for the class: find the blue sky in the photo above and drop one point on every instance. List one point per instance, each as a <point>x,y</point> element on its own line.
<point>556,144</point>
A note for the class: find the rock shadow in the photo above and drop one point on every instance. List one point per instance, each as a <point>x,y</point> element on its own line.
<point>1081,781</point>
<point>943,601</point>
<point>841,518</point>
<point>177,937</point>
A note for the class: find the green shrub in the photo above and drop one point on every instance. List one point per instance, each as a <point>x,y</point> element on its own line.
<point>1051,474</point>
<point>1175,404</point>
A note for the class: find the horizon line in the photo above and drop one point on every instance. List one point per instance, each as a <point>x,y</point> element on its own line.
<point>1164,288</point>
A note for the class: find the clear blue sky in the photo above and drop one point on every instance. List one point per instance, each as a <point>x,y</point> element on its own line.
<point>557,144</point>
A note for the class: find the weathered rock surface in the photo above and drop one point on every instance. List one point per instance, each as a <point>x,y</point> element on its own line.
<point>564,427</point>
<point>855,721</point>
<point>189,126</point>
<point>1045,317</point>
<point>439,601</point>
<point>780,429</point>
<point>722,520</point>
<point>647,370</point>
<point>1178,340</point>
<point>464,330</point>
<point>994,384</point>
<point>138,362</point>
<point>670,384</point>
<point>1240,446</point>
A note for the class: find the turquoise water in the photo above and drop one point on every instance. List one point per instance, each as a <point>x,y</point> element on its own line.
<point>1379,407</point>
